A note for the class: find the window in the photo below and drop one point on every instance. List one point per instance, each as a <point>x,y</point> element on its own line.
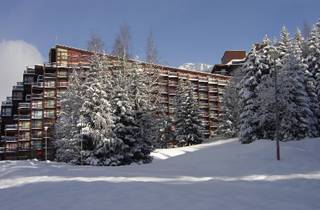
<point>49,114</point>
<point>36,114</point>
<point>63,84</point>
<point>24,136</point>
<point>49,104</point>
<point>37,104</point>
<point>17,95</point>
<point>28,80</point>
<point>49,93</point>
<point>60,93</point>
<point>24,125</point>
<point>37,144</point>
<point>11,147</point>
<point>24,145</point>
<point>6,111</point>
<point>49,83</point>
<point>36,124</point>
<point>36,134</point>
<point>62,73</point>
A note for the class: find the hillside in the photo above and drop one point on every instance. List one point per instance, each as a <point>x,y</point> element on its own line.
<point>217,175</point>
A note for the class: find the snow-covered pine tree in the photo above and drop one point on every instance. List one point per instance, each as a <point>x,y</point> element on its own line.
<point>230,111</point>
<point>312,73</point>
<point>133,110</point>
<point>266,107</point>
<point>67,133</point>
<point>96,121</point>
<point>165,129</point>
<point>144,91</point>
<point>248,131</point>
<point>187,117</point>
<point>296,114</point>
<point>299,46</point>
<point>284,42</point>
<point>265,102</point>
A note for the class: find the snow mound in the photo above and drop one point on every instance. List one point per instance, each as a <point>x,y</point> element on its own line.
<point>217,175</point>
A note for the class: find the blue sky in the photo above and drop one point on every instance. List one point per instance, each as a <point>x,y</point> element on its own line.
<point>185,31</point>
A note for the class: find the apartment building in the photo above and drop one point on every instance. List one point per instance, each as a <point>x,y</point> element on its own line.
<point>28,117</point>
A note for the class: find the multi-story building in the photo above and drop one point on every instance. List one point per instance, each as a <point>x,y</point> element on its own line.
<point>27,118</point>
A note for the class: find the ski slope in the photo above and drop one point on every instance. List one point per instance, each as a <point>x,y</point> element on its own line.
<point>216,175</point>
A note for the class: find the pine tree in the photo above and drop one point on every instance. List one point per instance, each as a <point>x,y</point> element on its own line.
<point>165,130</point>
<point>187,116</point>
<point>265,90</point>
<point>230,112</point>
<point>248,122</point>
<point>312,74</point>
<point>134,108</point>
<point>284,42</point>
<point>96,120</point>
<point>67,133</point>
<point>296,114</point>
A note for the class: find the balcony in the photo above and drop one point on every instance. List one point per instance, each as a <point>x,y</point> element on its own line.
<point>213,98</point>
<point>37,96</point>
<point>17,88</point>
<point>29,71</point>
<point>62,74</point>
<point>24,105</point>
<point>12,127</point>
<point>9,138</point>
<point>37,117</point>
<point>36,127</point>
<point>222,82</point>
<point>7,103</point>
<point>63,84</point>
<point>38,85</point>
<point>203,89</point>
<point>50,75</point>
<point>49,116</point>
<point>172,83</point>
<point>24,117</point>
<point>24,148</point>
<point>37,106</point>
<point>17,98</point>
<point>11,148</point>
<point>6,113</point>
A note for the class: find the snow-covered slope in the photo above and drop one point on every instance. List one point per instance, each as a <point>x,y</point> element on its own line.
<point>217,175</point>
<point>196,66</point>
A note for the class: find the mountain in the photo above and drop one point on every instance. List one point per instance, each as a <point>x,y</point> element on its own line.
<point>196,66</point>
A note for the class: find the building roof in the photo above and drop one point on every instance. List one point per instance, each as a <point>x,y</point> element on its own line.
<point>230,55</point>
<point>145,63</point>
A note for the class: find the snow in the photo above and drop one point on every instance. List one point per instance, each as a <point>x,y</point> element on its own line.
<point>196,66</point>
<point>217,175</point>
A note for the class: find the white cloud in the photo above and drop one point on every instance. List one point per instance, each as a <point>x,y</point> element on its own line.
<point>14,57</point>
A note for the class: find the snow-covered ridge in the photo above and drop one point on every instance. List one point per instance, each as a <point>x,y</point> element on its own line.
<point>196,66</point>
